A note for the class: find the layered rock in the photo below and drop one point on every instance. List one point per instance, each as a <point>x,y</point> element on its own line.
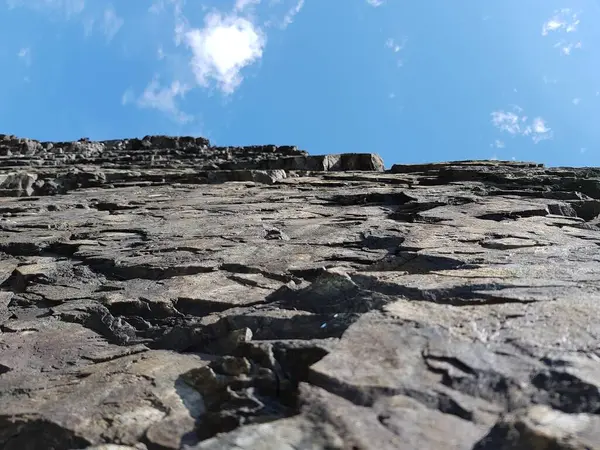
<point>162,294</point>
<point>47,168</point>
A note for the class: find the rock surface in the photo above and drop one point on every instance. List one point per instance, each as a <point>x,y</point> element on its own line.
<point>160,293</point>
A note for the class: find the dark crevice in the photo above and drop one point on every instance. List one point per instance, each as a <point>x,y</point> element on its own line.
<point>145,309</point>
<point>258,383</point>
<point>586,209</point>
<point>201,307</point>
<point>19,433</point>
<point>243,268</point>
<point>566,392</point>
<point>99,319</point>
<point>448,360</point>
<point>377,198</point>
<point>413,262</point>
<point>366,396</point>
<point>490,386</point>
<point>468,295</point>
<point>514,215</point>
<point>410,212</point>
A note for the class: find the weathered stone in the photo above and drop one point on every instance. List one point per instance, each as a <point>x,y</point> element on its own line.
<point>541,427</point>
<point>17,184</point>
<point>161,293</point>
<point>84,402</point>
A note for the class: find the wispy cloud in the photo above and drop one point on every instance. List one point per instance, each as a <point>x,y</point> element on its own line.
<point>567,47</point>
<point>162,98</point>
<point>375,3</point>
<point>280,13</point>
<point>111,23</point>
<point>563,21</point>
<point>507,121</point>
<point>241,5</point>
<point>396,47</point>
<point>292,12</point>
<point>25,55</point>
<point>92,16</point>
<point>516,124</point>
<point>539,130</point>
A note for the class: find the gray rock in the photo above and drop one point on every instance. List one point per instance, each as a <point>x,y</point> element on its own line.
<point>163,293</point>
<point>541,427</point>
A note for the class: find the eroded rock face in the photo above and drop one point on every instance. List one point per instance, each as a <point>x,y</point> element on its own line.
<point>160,293</point>
<point>49,168</point>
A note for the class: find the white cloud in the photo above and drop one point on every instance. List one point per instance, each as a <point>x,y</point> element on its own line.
<point>567,48</point>
<point>162,98</point>
<point>127,97</point>
<point>539,126</point>
<point>213,54</point>
<point>552,25</point>
<point>225,46</point>
<point>292,12</point>
<point>241,5</point>
<point>284,16</point>
<point>576,101</point>
<point>396,47</point>
<point>392,44</point>
<point>375,3</point>
<point>156,7</point>
<point>25,55</point>
<point>562,20</point>
<point>111,23</point>
<point>539,131</point>
<point>506,121</point>
<point>515,124</point>
<point>229,42</point>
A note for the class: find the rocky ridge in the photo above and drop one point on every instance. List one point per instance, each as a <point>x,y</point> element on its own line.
<point>162,293</point>
<point>59,167</point>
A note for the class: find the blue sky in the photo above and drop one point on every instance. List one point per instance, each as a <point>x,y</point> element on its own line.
<point>415,81</point>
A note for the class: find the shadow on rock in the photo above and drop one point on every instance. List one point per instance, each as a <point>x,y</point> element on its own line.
<point>257,384</point>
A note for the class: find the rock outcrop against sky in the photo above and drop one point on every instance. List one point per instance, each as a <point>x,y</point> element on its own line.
<point>161,293</point>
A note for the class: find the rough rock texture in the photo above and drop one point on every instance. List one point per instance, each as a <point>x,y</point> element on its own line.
<point>162,294</point>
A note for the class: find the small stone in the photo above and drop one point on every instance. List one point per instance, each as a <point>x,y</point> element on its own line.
<point>276,234</point>
<point>230,365</point>
<point>203,379</point>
